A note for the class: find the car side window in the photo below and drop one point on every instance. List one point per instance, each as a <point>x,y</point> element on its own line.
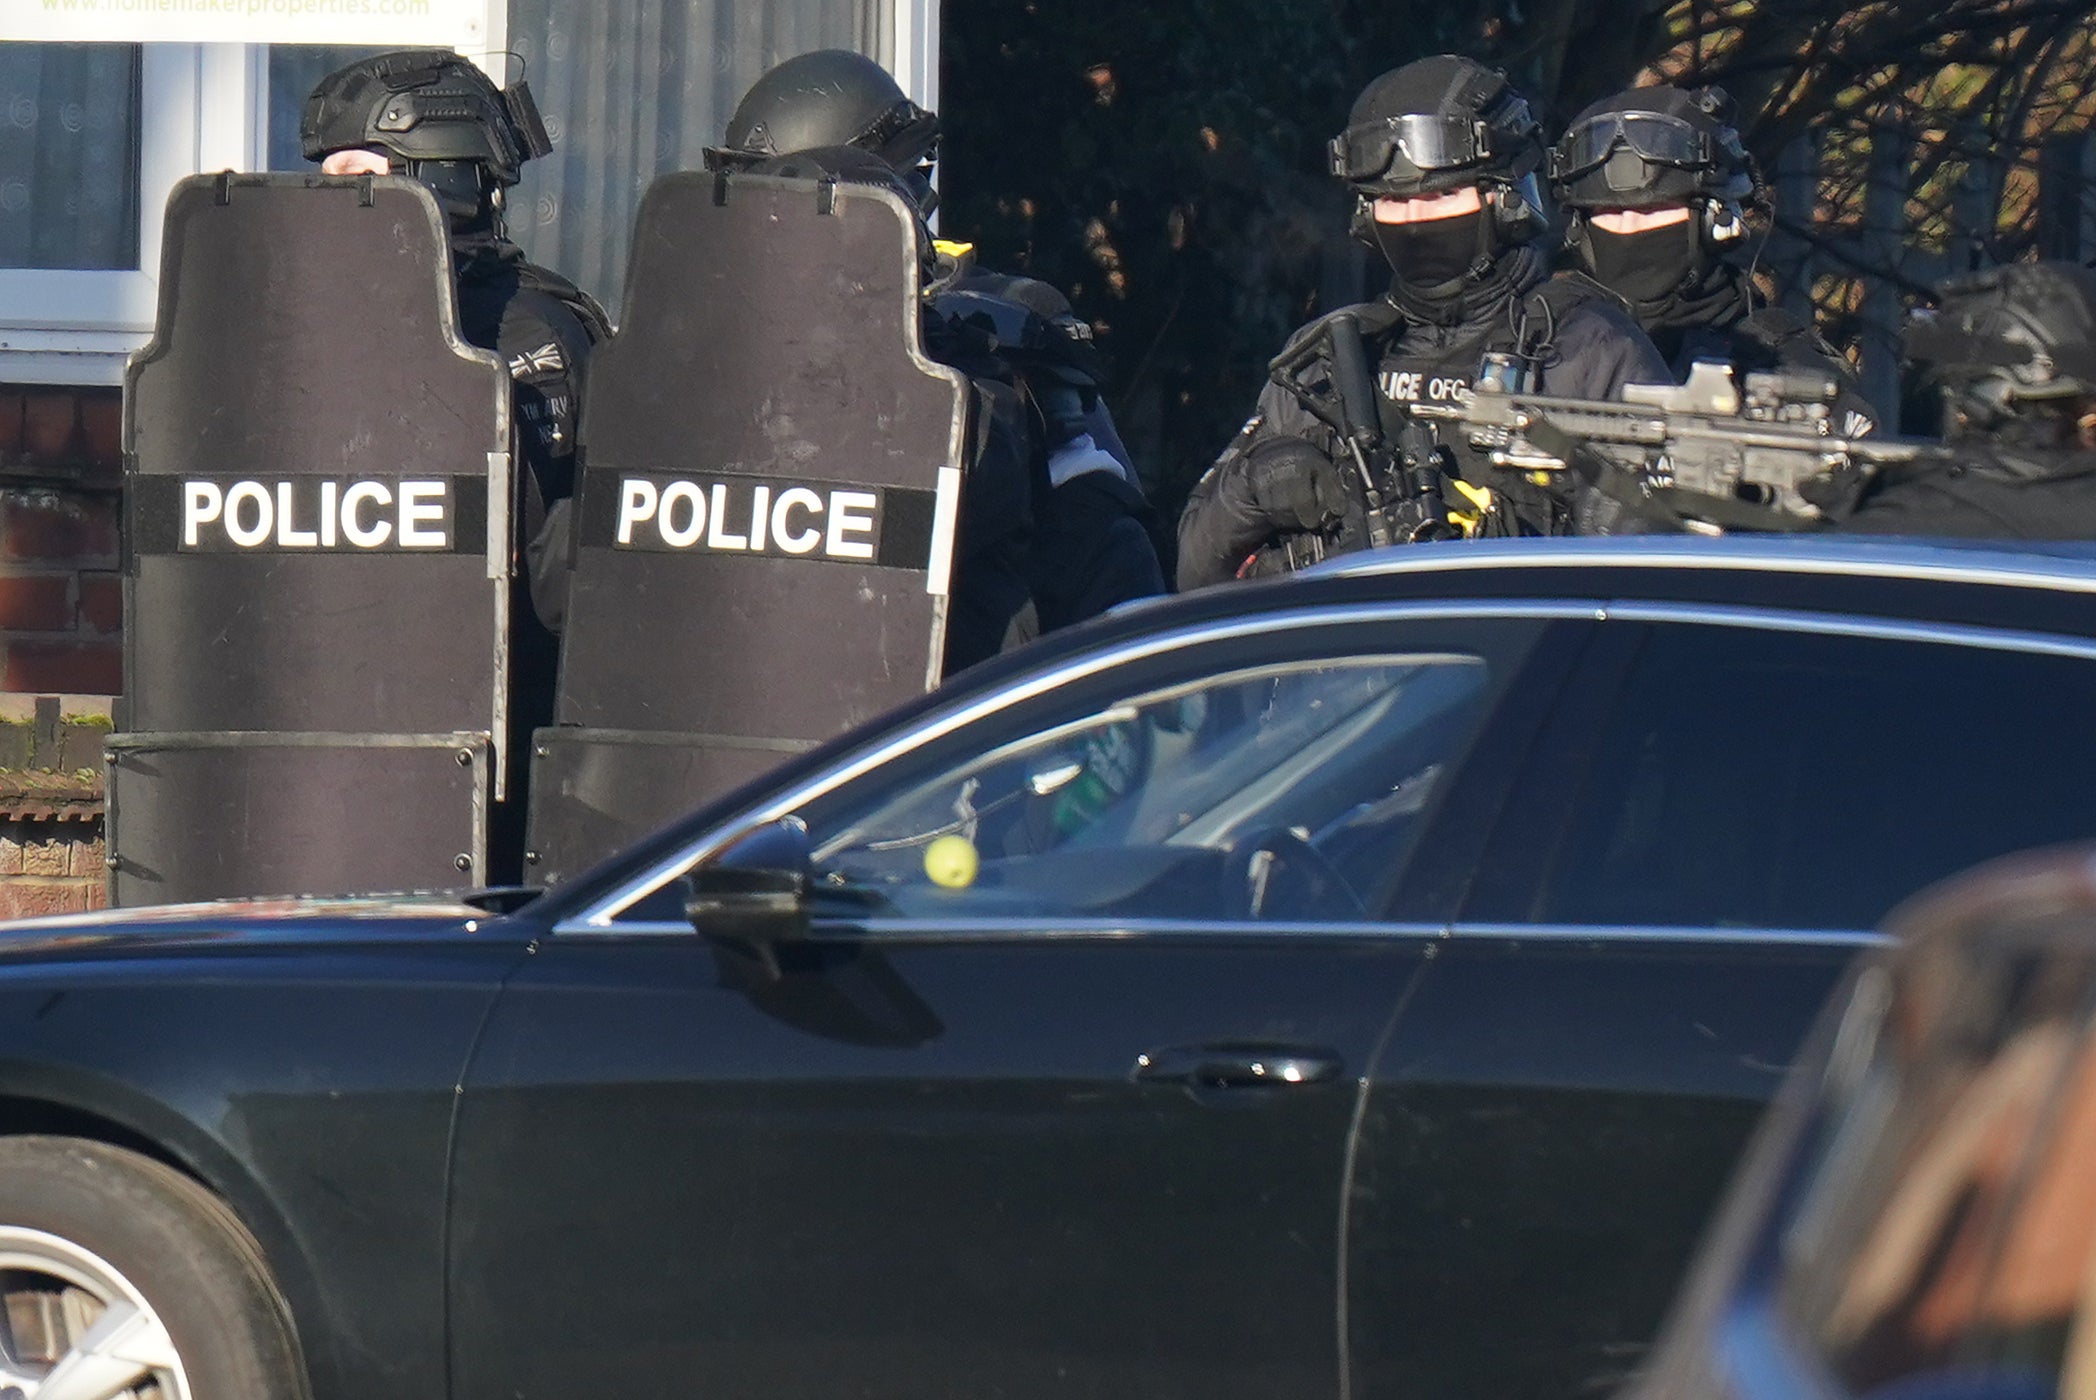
<point>1284,791</point>
<point>1757,778</point>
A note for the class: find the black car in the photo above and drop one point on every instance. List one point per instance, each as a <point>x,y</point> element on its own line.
<point>1917,1220</point>
<point>1355,985</point>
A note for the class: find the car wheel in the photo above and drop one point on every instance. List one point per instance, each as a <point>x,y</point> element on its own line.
<point>121,1277</point>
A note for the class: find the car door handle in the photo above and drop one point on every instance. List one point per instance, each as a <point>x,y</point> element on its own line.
<point>1238,1066</point>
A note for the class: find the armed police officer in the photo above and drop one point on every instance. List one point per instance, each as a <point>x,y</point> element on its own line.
<point>1658,185</point>
<point>2013,353</point>
<point>434,117</point>
<point>1442,157</point>
<point>1054,523</point>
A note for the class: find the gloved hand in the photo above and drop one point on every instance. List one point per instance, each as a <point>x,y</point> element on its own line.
<point>1293,486</point>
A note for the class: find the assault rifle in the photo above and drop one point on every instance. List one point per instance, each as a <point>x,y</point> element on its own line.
<point>1396,487</point>
<point>1705,456</point>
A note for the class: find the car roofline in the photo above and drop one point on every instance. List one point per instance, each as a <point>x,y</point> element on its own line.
<point>2068,568</point>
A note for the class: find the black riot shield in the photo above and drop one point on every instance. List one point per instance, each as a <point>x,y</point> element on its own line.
<point>771,480</point>
<point>318,488</point>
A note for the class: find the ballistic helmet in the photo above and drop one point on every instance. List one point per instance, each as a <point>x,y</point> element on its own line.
<point>2012,342</point>
<point>1652,146</point>
<point>1436,124</point>
<point>437,118</point>
<point>829,98</point>
<point>424,105</point>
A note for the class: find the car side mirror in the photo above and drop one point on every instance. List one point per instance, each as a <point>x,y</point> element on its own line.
<point>754,891</point>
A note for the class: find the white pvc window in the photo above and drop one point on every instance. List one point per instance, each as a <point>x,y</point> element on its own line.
<point>201,107</point>
<point>196,111</point>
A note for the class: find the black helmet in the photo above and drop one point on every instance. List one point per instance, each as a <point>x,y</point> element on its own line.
<point>1438,124</point>
<point>2011,342</point>
<point>1652,146</point>
<point>832,97</point>
<point>424,106</point>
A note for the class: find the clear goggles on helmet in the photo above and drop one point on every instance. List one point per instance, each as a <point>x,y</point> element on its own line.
<point>1417,144</point>
<point>1651,136</point>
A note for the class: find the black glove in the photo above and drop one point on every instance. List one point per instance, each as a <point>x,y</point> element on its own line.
<point>1293,486</point>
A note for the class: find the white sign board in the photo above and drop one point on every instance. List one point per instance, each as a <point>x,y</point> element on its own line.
<point>459,24</point>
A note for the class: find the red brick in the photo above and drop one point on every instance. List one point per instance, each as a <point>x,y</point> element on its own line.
<point>102,603</point>
<point>102,428</point>
<point>36,603</point>
<point>49,421</point>
<point>50,525</point>
<point>10,422</point>
<point>25,899</point>
<point>85,854</point>
<point>47,855</point>
<point>63,668</point>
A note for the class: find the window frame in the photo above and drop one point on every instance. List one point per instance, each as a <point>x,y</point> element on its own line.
<point>1089,670</point>
<point>202,107</point>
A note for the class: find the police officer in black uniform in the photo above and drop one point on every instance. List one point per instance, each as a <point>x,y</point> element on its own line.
<point>1054,525</point>
<point>2013,353</point>
<point>1442,156</point>
<point>1658,184</point>
<point>434,117</point>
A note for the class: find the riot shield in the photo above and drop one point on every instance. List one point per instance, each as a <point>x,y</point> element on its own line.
<point>770,484</point>
<point>318,488</point>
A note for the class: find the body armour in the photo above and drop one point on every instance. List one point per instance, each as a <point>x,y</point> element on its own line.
<point>1577,341</point>
<point>1998,493</point>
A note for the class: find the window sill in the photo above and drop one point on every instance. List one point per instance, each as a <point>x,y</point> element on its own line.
<point>66,357</point>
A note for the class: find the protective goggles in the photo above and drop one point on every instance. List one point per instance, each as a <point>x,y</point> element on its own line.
<point>1661,140</point>
<point>1419,143</point>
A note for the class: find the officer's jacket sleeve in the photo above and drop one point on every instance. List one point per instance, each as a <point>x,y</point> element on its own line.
<point>1598,349</point>
<point>1223,525</point>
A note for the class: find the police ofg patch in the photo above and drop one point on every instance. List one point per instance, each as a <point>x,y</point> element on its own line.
<point>309,515</point>
<point>892,527</point>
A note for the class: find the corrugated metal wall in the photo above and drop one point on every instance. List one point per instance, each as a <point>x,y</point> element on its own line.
<point>632,89</point>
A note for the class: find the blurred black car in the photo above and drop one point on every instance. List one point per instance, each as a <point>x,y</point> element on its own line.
<point>1918,1218</point>
<point>1355,985</point>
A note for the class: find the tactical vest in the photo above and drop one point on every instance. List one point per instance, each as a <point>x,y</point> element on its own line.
<point>1443,374</point>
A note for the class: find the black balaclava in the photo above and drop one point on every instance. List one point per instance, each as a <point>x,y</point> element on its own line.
<point>1649,266</point>
<point>1435,252</point>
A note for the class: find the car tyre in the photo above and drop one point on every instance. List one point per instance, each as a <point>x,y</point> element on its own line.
<point>124,1277</point>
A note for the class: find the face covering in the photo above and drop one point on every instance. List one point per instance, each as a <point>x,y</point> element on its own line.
<point>1433,251</point>
<point>1648,266</point>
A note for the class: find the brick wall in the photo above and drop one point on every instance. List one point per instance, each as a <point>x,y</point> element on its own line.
<point>61,619</point>
<point>49,867</point>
